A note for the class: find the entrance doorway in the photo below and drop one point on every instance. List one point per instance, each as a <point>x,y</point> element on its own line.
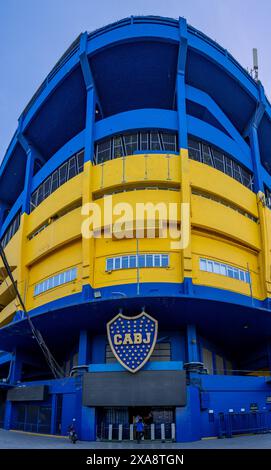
<point>152,417</point>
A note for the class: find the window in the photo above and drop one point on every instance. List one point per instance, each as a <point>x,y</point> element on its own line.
<point>141,261</point>
<point>72,167</point>
<point>72,171</point>
<point>80,161</point>
<point>211,156</point>
<point>218,158</point>
<point>194,150</point>
<point>55,281</point>
<point>155,141</point>
<point>11,230</point>
<point>268,197</point>
<point>130,143</point>
<point>117,147</point>
<point>54,181</point>
<point>224,270</point>
<point>169,142</point>
<point>207,155</point>
<point>144,141</point>
<point>63,174</point>
<point>47,187</point>
<point>103,151</point>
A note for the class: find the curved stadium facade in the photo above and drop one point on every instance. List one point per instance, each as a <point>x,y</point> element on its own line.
<point>145,109</point>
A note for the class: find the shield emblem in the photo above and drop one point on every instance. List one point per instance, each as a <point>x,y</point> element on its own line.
<point>132,339</point>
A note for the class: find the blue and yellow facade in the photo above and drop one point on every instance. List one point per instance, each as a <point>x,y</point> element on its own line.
<point>145,109</point>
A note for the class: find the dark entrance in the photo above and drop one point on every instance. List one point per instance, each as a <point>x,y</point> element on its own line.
<point>128,415</point>
<point>32,417</point>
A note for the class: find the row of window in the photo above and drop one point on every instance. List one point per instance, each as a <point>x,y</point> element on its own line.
<point>148,260</point>
<point>207,154</point>
<point>72,167</point>
<point>128,144</point>
<point>268,197</point>
<point>55,281</point>
<point>226,203</point>
<point>11,230</point>
<point>137,188</point>
<point>224,269</point>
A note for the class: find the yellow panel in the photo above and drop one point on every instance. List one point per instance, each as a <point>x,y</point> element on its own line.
<point>225,252</point>
<point>57,234</point>
<point>6,315</point>
<point>211,215</point>
<point>217,182</point>
<point>60,260</point>
<point>62,197</point>
<point>136,168</point>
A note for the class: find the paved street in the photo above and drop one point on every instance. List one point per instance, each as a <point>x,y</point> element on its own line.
<point>18,440</point>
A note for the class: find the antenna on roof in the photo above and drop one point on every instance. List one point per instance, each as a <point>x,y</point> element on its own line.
<point>255,70</point>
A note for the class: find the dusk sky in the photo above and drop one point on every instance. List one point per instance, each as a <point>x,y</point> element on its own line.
<point>35,33</point>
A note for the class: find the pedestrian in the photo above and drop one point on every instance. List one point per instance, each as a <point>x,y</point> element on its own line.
<point>139,430</point>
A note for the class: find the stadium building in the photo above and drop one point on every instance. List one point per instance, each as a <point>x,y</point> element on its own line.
<point>145,109</point>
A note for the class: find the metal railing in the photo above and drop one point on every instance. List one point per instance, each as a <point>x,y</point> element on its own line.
<point>254,422</point>
<point>127,432</point>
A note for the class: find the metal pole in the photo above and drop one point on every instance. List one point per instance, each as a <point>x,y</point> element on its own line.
<point>152,432</point>
<point>120,432</point>
<point>250,283</point>
<point>163,436</point>
<point>131,432</point>
<point>110,432</point>
<point>137,268</point>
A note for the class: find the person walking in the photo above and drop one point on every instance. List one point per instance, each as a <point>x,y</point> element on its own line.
<point>139,430</point>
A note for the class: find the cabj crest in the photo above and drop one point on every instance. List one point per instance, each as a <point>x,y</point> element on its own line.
<point>132,339</point>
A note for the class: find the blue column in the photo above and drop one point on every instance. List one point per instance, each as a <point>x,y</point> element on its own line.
<point>31,155</point>
<point>91,99</point>
<point>3,208</point>
<point>180,84</point>
<point>54,414</point>
<point>256,158</point>
<point>16,367</point>
<point>192,344</point>
<point>83,352</point>
<point>187,418</point>
<point>88,424</point>
<point>252,132</point>
<point>28,181</point>
<point>8,415</point>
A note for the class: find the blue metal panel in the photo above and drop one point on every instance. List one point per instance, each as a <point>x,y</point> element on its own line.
<point>180,85</point>
<point>136,119</point>
<point>205,132</point>
<point>115,367</point>
<point>13,211</point>
<point>71,147</point>
<point>223,59</point>
<point>204,99</point>
<point>69,412</point>
<point>192,344</point>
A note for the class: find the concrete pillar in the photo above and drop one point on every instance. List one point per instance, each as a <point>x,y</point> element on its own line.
<point>188,417</point>
<point>88,424</point>
<point>54,414</point>
<point>8,415</point>
<point>16,367</point>
<point>192,344</point>
<point>83,351</point>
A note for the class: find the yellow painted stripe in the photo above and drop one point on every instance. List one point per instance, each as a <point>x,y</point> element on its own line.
<point>39,434</point>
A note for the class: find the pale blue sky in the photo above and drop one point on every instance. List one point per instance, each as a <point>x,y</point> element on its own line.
<point>35,33</point>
